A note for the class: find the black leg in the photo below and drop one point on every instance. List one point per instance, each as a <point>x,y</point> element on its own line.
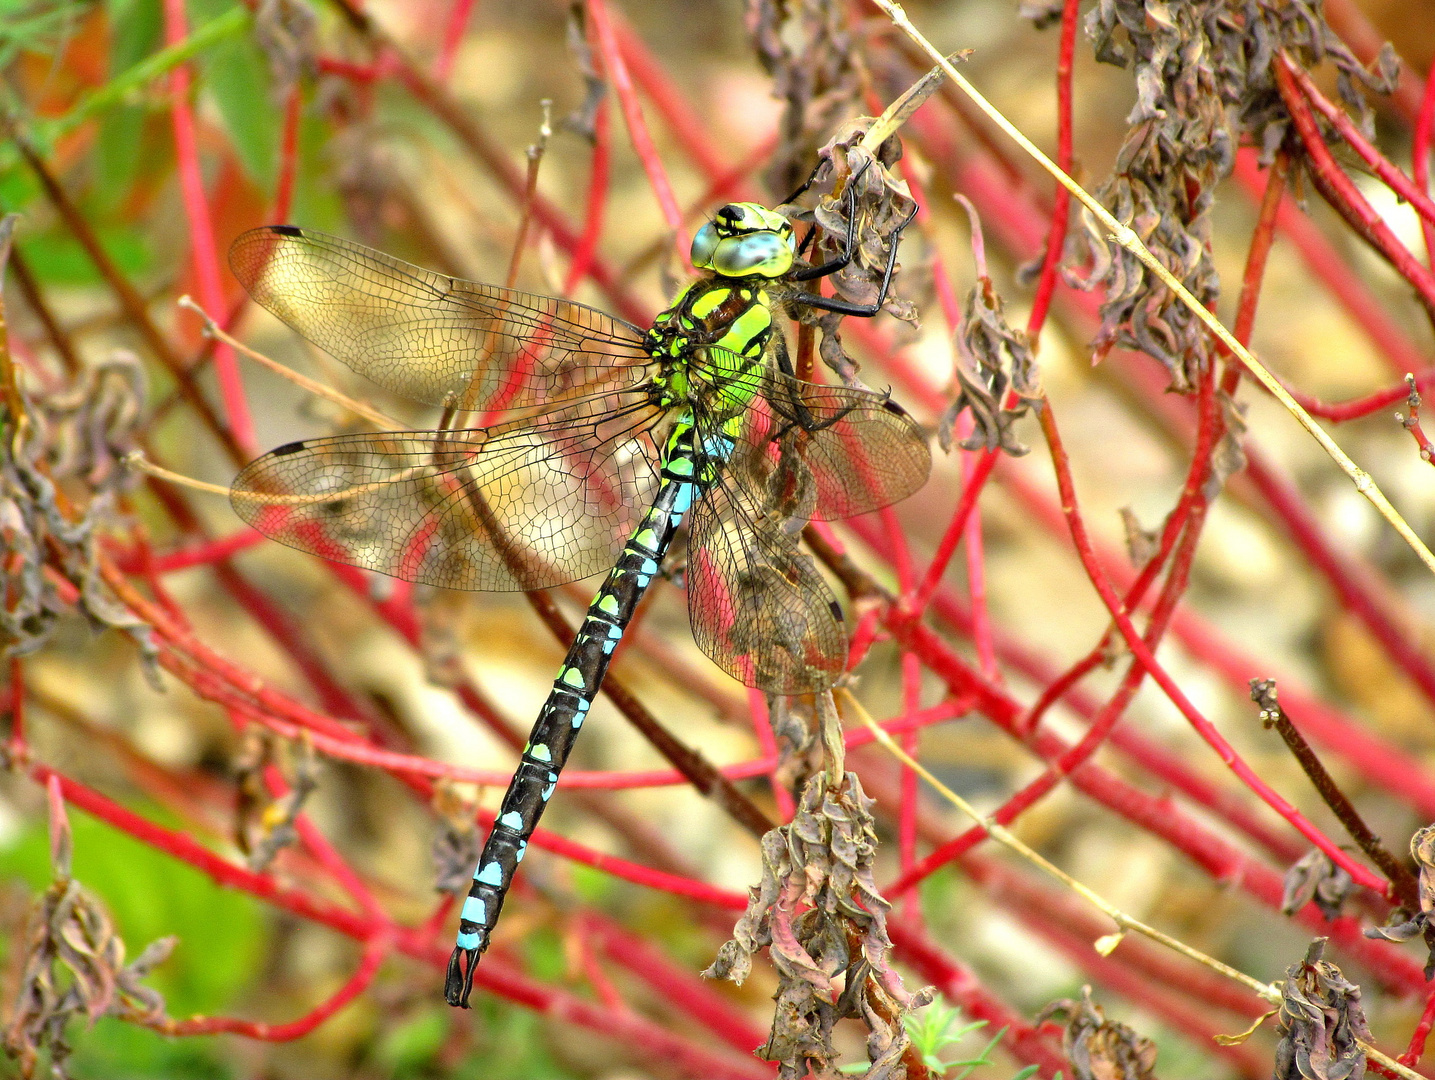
<point>802,188</point>
<point>850,244</point>
<point>843,307</point>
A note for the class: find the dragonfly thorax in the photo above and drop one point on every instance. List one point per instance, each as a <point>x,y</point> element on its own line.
<point>726,323</point>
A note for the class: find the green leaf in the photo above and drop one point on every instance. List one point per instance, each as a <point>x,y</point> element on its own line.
<point>118,155</point>
<point>236,76</point>
<point>137,27</point>
<point>58,259</point>
<point>412,1044</point>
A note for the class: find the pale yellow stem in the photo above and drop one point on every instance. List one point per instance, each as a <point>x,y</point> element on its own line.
<point>1123,235</point>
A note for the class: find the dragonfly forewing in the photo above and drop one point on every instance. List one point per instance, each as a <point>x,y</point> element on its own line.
<point>433,338</point>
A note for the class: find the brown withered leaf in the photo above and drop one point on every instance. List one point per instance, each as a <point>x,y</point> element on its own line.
<point>807,49</point>
<point>1204,83</point>
<point>1320,1023</point>
<point>1141,544</point>
<point>1042,13</point>
<point>74,967</point>
<point>582,121</point>
<point>284,30</point>
<point>818,913</point>
<point>59,484</point>
<point>264,824</point>
<point>1098,1048</point>
<point>882,206</point>
<point>854,181</point>
<point>1228,457</point>
<point>1405,925</point>
<point>1315,877</point>
<point>992,359</point>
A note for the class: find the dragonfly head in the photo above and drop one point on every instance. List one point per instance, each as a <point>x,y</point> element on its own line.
<point>745,239</point>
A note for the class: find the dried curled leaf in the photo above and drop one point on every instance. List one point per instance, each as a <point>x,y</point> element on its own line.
<point>882,206</point>
<point>818,912</point>
<point>1204,83</point>
<point>806,47</point>
<point>1315,877</point>
<point>992,359</point>
<point>71,448</point>
<point>1405,925</point>
<point>1321,1023</point>
<point>1098,1048</point>
<point>583,120</point>
<point>1228,457</point>
<point>284,30</point>
<point>1141,544</point>
<point>264,825</point>
<point>75,966</point>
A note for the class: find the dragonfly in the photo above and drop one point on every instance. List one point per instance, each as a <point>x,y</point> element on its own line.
<point>599,438</point>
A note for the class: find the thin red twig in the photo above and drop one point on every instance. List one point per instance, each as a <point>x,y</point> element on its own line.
<point>375,950</point>
<point>1061,201</point>
<point>203,249</point>
<point>638,133</point>
<point>1342,194</point>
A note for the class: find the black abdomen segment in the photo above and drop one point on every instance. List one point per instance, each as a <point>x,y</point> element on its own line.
<point>563,713</point>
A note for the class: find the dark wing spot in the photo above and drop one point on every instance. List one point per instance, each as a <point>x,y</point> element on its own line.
<point>892,407</point>
<point>836,609</point>
<point>287,230</point>
<point>287,448</point>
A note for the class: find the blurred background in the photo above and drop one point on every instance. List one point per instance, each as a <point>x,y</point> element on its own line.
<point>165,661</point>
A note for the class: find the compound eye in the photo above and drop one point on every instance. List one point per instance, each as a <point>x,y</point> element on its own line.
<point>763,253</point>
<point>704,244</point>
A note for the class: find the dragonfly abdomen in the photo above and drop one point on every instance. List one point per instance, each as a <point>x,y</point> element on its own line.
<point>567,706</point>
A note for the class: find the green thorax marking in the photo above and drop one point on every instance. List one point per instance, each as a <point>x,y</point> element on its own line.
<point>733,318</point>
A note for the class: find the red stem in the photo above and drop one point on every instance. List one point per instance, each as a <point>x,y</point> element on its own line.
<point>1396,180</point>
<point>288,155</point>
<point>1416,1049</point>
<point>689,128</point>
<point>597,199</point>
<point>1361,875</point>
<point>1420,159</point>
<point>959,984</point>
<point>1061,203</point>
<point>458,16</point>
<point>1342,194</point>
<point>638,133</point>
<point>203,249</point>
<point>375,950</point>
<point>1333,269</point>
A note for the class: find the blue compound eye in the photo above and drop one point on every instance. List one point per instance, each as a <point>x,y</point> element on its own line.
<point>764,253</point>
<point>704,243</point>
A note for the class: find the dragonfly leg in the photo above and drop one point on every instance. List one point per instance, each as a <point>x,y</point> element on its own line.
<point>849,246</point>
<point>845,307</point>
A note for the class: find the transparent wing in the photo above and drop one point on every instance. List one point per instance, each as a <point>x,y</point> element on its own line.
<point>758,606</point>
<point>430,337</point>
<point>518,506</point>
<point>824,452</point>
